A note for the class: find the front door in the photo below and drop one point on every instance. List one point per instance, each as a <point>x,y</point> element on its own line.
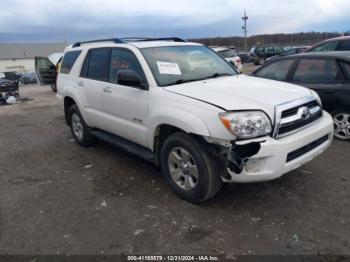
<point>45,70</point>
<point>125,107</point>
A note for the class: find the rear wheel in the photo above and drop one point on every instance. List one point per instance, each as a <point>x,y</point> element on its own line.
<point>53,87</point>
<point>189,169</point>
<point>80,130</point>
<point>341,120</point>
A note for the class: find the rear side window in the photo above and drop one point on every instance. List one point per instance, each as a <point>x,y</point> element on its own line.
<point>276,71</point>
<point>317,71</point>
<point>68,61</point>
<point>96,64</point>
<point>279,49</point>
<point>344,45</point>
<point>346,68</point>
<point>329,46</point>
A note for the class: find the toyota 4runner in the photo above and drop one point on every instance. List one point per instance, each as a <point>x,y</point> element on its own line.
<point>182,106</point>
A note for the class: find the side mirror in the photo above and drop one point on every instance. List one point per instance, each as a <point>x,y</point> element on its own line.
<point>129,78</point>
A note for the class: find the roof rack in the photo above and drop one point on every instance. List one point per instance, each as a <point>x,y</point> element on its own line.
<point>142,39</point>
<point>115,40</point>
<point>129,39</point>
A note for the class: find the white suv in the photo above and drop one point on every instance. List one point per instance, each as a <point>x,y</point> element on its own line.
<point>182,106</point>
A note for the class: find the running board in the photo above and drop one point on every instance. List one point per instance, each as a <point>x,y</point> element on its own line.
<point>124,144</point>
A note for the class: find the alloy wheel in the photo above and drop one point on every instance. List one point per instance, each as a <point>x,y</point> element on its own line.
<point>183,168</point>
<point>342,125</point>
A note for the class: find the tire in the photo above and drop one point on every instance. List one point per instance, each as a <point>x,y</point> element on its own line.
<point>191,157</point>
<point>341,120</point>
<point>261,61</point>
<point>54,88</point>
<point>79,129</point>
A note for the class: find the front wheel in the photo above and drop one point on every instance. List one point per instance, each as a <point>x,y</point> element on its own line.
<point>341,120</point>
<point>189,169</point>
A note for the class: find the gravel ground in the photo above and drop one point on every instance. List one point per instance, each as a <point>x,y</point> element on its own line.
<point>59,198</point>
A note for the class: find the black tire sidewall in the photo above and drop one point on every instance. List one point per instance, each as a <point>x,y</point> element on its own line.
<point>87,139</point>
<point>200,191</point>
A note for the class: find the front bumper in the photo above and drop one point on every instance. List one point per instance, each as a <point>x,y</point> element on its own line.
<point>271,160</point>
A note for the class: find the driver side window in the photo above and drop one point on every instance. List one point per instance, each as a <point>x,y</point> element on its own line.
<point>123,59</point>
<point>276,71</point>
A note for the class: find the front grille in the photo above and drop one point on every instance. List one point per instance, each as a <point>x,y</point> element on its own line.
<point>294,110</point>
<point>296,115</point>
<point>307,148</point>
<point>286,128</point>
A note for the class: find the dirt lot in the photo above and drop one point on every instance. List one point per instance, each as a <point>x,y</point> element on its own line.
<point>59,198</point>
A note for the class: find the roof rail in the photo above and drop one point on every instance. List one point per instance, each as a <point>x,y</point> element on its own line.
<point>115,40</point>
<point>141,39</point>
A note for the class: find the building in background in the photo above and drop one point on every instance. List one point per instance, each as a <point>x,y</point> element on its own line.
<point>19,57</point>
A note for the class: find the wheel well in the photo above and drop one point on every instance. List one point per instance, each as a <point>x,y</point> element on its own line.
<point>161,134</point>
<point>68,102</point>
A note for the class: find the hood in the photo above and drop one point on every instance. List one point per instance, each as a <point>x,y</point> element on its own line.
<point>241,92</point>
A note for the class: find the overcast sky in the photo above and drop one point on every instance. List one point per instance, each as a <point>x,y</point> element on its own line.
<point>56,20</point>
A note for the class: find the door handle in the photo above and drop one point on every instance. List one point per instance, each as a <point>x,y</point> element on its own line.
<point>81,83</point>
<point>107,90</point>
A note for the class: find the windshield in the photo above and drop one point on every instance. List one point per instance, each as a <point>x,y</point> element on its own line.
<point>173,65</point>
<point>227,53</point>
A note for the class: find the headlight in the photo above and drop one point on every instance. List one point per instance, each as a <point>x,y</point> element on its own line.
<point>316,96</point>
<point>246,124</point>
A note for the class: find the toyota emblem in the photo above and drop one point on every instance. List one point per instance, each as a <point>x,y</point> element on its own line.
<point>305,112</point>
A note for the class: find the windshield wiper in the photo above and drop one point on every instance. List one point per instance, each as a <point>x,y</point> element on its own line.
<point>182,81</point>
<point>218,75</point>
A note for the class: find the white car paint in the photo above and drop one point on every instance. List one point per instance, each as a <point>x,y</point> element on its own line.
<point>235,60</point>
<point>194,108</point>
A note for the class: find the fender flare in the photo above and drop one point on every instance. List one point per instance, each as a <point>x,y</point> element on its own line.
<point>178,118</point>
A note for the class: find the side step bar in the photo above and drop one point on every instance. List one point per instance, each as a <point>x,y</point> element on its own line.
<point>124,144</point>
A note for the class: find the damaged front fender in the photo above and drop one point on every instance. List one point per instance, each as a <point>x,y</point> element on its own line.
<point>239,153</point>
<point>234,155</point>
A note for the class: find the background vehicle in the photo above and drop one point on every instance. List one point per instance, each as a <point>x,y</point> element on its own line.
<point>334,44</point>
<point>28,78</point>
<point>230,56</point>
<point>245,57</point>
<point>290,51</point>
<point>326,73</point>
<point>182,106</point>
<point>47,68</point>
<point>261,53</point>
<point>8,87</point>
<point>14,76</point>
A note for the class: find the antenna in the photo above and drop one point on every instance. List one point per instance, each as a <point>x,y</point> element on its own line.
<point>244,27</point>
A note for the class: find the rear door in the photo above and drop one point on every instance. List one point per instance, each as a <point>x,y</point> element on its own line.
<point>45,70</point>
<point>344,93</point>
<point>343,45</point>
<point>92,80</point>
<point>322,75</point>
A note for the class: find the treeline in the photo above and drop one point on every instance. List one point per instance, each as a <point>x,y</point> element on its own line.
<point>294,39</point>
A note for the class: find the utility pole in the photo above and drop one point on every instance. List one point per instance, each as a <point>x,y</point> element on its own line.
<point>244,27</point>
